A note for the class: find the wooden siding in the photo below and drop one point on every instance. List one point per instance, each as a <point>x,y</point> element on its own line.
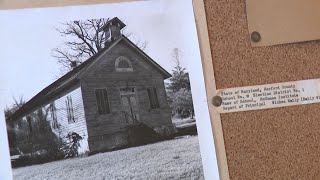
<point>104,75</point>
<point>79,126</point>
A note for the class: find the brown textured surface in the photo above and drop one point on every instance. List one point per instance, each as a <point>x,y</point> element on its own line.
<point>280,143</point>
<point>234,57</point>
<point>269,21</point>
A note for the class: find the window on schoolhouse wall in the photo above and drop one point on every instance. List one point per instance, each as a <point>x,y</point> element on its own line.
<point>102,101</point>
<point>123,64</point>
<point>29,121</point>
<point>70,110</point>
<point>54,118</point>
<point>153,98</point>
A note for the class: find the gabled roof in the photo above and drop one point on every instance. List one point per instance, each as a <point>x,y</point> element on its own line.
<point>72,78</point>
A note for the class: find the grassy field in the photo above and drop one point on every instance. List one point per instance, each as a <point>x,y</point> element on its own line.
<point>174,159</point>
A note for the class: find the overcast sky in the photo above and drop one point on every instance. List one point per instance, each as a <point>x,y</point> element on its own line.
<point>29,35</point>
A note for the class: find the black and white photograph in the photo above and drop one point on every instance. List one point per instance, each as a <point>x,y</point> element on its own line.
<point>105,92</point>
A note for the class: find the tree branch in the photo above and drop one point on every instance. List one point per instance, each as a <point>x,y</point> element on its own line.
<point>83,40</point>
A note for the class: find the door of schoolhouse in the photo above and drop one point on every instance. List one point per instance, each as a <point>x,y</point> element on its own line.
<point>130,106</point>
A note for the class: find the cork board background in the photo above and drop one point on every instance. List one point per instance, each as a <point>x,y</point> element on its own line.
<point>280,143</point>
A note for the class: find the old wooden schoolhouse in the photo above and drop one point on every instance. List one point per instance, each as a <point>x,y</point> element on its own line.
<point>101,97</point>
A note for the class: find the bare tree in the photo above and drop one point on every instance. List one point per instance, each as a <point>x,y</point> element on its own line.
<point>8,111</point>
<point>176,55</point>
<point>84,38</point>
<point>18,103</point>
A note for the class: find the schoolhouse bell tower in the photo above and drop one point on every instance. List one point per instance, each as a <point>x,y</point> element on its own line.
<point>112,29</point>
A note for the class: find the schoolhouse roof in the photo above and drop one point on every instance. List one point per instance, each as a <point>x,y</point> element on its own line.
<point>72,78</point>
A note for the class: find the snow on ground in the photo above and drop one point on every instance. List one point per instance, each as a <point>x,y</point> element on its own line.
<point>173,159</point>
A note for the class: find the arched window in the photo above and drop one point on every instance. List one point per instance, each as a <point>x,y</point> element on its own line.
<point>123,64</point>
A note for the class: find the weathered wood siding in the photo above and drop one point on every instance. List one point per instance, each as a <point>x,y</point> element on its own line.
<point>79,126</point>
<point>102,128</point>
<point>24,131</point>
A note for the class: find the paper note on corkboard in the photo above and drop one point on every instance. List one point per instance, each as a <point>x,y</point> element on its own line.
<point>283,21</point>
<point>269,96</point>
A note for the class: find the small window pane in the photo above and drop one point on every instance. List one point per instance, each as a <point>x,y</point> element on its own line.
<point>133,101</point>
<point>29,123</point>
<point>123,64</point>
<point>153,98</point>
<point>102,101</point>
<point>150,98</point>
<point>69,108</point>
<point>54,116</point>
<point>125,101</point>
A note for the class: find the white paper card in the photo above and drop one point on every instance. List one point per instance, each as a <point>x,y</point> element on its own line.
<point>269,96</point>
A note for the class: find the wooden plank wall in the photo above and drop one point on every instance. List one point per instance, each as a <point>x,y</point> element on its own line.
<point>103,75</point>
<point>79,126</point>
